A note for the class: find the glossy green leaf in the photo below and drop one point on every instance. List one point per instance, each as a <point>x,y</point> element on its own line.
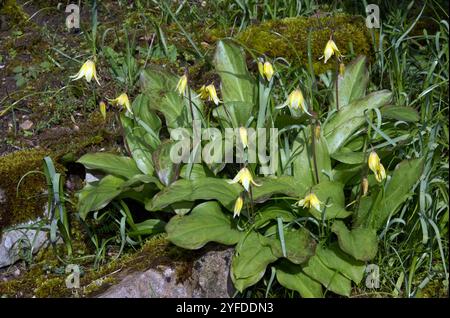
<point>95,196</point>
<point>140,150</point>
<point>331,194</point>
<point>334,258</point>
<point>403,113</point>
<point>253,254</point>
<point>361,243</point>
<point>197,189</point>
<point>147,119</point>
<point>330,279</point>
<point>352,85</point>
<point>270,186</point>
<point>238,88</point>
<point>349,157</point>
<point>110,163</point>
<point>148,227</point>
<point>206,223</point>
<point>303,163</point>
<point>292,277</point>
<point>165,169</point>
<point>299,246</point>
<point>344,123</point>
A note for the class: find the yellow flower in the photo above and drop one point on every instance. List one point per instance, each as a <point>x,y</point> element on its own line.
<point>266,70</point>
<point>330,50</point>
<point>365,186</point>
<point>122,100</point>
<point>295,100</point>
<point>244,177</point>
<point>209,92</point>
<point>238,206</point>
<point>102,106</point>
<point>376,166</point>
<point>309,201</point>
<point>87,71</point>
<point>182,83</point>
<point>244,136</point>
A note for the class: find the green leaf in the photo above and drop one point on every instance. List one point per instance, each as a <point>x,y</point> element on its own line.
<point>331,194</point>
<point>303,163</point>
<point>404,177</point>
<point>403,113</point>
<point>292,277</point>
<point>330,279</point>
<point>299,246</point>
<point>96,196</point>
<point>349,157</point>
<point>165,169</point>
<point>349,118</point>
<point>147,119</point>
<point>272,212</point>
<point>148,227</point>
<point>238,88</point>
<point>253,254</point>
<point>270,186</point>
<point>197,189</point>
<point>140,179</point>
<point>361,243</point>
<point>206,223</point>
<point>159,86</point>
<point>334,258</point>
<point>139,148</point>
<point>352,85</point>
<point>110,163</point>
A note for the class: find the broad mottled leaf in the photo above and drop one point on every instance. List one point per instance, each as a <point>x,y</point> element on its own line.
<point>270,186</point>
<point>303,163</point>
<point>404,177</point>
<point>148,227</point>
<point>110,163</point>
<point>206,223</point>
<point>361,243</point>
<point>140,150</point>
<point>237,87</point>
<point>334,258</point>
<point>272,212</point>
<point>403,113</point>
<point>292,277</point>
<point>352,85</point>
<point>331,194</point>
<point>253,254</point>
<point>330,279</point>
<point>345,122</point>
<point>147,119</point>
<point>349,157</point>
<point>165,169</point>
<point>299,246</point>
<point>95,196</point>
<point>197,189</point>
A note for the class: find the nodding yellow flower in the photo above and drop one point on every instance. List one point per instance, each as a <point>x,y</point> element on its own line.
<point>376,166</point>
<point>309,201</point>
<point>122,100</point>
<point>330,50</point>
<point>209,92</point>
<point>244,177</point>
<point>265,69</point>
<point>244,136</point>
<point>238,206</point>
<point>295,100</point>
<point>87,71</point>
<point>182,83</point>
<point>102,106</point>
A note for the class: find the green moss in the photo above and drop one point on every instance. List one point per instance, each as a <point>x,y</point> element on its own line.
<point>13,12</point>
<point>288,38</point>
<point>28,202</point>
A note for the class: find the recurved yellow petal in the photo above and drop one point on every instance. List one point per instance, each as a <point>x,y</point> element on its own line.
<point>122,100</point>
<point>376,166</point>
<point>245,178</point>
<point>88,71</point>
<point>238,206</point>
<point>311,200</point>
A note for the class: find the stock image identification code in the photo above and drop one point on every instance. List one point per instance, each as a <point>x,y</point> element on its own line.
<point>226,307</point>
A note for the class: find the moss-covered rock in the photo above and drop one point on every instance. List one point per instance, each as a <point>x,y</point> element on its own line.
<point>25,201</point>
<point>288,38</point>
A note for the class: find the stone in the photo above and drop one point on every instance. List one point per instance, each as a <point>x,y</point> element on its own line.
<point>14,243</point>
<point>26,125</point>
<point>209,278</point>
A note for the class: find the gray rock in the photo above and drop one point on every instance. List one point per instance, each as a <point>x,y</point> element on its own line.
<point>15,243</point>
<point>209,279</point>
